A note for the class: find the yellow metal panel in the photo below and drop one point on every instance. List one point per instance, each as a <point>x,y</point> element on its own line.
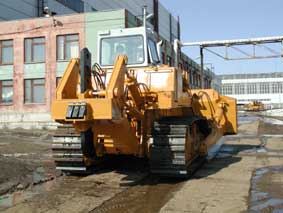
<point>67,87</point>
<point>96,109</point>
<point>207,103</point>
<point>116,137</point>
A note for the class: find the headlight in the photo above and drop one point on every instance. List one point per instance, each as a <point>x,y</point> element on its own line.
<point>76,110</point>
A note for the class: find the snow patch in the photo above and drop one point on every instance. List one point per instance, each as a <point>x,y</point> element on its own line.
<point>272,121</point>
<point>273,112</point>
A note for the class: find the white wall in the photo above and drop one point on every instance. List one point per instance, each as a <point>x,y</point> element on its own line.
<point>251,80</point>
<point>26,120</point>
<point>268,98</point>
<point>265,98</point>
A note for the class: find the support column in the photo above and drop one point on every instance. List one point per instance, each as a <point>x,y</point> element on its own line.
<point>156,16</point>
<point>201,68</point>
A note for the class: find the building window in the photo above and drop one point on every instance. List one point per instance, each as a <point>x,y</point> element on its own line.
<point>239,89</point>
<point>34,90</point>
<point>227,89</point>
<point>277,87</point>
<point>67,47</point>
<point>280,87</point>
<point>7,55</point>
<point>6,88</point>
<point>186,66</point>
<point>251,88</point>
<point>198,81</point>
<point>194,79</point>
<point>264,88</point>
<point>34,50</point>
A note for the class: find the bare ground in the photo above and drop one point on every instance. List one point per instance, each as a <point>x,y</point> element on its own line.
<point>25,160</point>
<point>226,183</point>
<point>246,175</point>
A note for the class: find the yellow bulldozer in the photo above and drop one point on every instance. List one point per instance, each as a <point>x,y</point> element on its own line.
<point>130,104</point>
<point>254,106</point>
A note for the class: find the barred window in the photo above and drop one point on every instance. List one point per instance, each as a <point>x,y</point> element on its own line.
<point>251,88</point>
<point>264,88</point>
<point>239,89</point>
<point>277,87</point>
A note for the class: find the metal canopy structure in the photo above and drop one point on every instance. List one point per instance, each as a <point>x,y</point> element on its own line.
<point>246,48</point>
<point>235,41</point>
<point>237,44</point>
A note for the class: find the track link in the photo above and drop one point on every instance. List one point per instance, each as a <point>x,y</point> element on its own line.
<point>168,150</point>
<point>67,150</point>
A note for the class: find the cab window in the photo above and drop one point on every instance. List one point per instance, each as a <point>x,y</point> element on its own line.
<point>153,51</point>
<point>131,46</point>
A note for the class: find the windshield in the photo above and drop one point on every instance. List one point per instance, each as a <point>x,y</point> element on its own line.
<point>132,46</point>
<point>153,51</point>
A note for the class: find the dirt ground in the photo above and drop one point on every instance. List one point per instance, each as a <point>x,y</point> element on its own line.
<point>25,160</point>
<point>245,176</point>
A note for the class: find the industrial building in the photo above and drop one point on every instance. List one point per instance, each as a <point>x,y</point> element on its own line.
<point>36,51</point>
<point>264,87</point>
<point>23,9</point>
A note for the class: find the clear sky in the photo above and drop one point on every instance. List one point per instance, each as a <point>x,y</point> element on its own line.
<point>229,19</point>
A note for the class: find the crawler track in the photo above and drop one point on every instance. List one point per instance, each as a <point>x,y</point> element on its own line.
<point>67,150</point>
<point>174,148</point>
<point>171,154</point>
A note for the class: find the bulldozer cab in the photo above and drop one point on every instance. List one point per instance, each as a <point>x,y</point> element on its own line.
<point>137,43</point>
